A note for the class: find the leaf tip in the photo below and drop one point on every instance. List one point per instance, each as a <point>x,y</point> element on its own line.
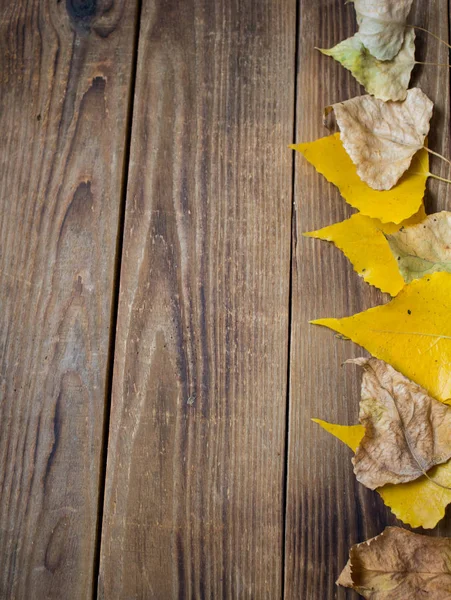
<point>323,322</point>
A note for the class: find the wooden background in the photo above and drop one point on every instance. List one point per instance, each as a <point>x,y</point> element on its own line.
<point>157,372</point>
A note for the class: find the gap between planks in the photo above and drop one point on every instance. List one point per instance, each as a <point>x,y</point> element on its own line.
<point>290,289</point>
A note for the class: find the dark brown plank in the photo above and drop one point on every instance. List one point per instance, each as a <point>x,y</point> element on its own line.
<point>327,510</point>
<point>65,82</point>
<point>195,475</point>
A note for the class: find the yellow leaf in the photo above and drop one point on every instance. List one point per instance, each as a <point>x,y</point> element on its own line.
<point>412,332</point>
<point>419,503</point>
<point>363,242</point>
<point>330,159</point>
<point>351,435</point>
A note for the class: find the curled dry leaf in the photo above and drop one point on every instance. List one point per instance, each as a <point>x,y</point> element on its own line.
<point>386,80</point>
<point>382,137</point>
<point>330,159</point>
<point>400,565</point>
<point>419,503</point>
<point>382,24</point>
<point>412,333</point>
<point>423,248</point>
<point>406,431</point>
<point>362,240</point>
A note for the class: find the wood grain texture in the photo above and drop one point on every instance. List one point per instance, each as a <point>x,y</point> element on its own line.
<point>327,510</point>
<point>65,83</point>
<point>195,474</point>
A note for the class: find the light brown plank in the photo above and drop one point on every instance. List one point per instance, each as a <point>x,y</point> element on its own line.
<point>327,510</point>
<point>65,82</point>
<point>195,475</point>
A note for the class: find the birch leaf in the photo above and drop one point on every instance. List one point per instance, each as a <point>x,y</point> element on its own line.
<point>351,435</point>
<point>345,578</point>
<point>362,240</point>
<point>424,248</point>
<point>406,431</point>
<point>418,503</point>
<point>386,80</point>
<point>399,564</point>
<point>330,159</point>
<point>382,137</point>
<point>412,333</point>
<point>382,24</point>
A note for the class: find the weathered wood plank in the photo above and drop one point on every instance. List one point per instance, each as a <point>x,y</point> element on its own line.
<point>327,510</point>
<point>195,475</point>
<point>65,83</point>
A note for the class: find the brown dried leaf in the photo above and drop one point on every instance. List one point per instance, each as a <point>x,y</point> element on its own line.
<point>345,578</point>
<point>407,432</point>
<point>382,25</point>
<point>400,565</point>
<point>382,137</point>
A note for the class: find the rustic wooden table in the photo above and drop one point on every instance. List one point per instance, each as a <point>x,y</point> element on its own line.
<point>158,374</point>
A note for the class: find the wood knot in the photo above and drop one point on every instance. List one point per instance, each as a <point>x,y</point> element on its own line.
<point>81,12</point>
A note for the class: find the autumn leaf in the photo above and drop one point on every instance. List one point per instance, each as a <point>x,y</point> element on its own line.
<point>419,503</point>
<point>330,159</point>
<point>406,431</point>
<point>423,248</point>
<point>362,240</point>
<point>400,565</point>
<point>351,435</point>
<point>412,333</point>
<point>386,80</point>
<point>382,137</point>
<point>382,25</point>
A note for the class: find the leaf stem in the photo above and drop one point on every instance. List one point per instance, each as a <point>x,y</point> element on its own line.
<point>417,62</point>
<point>430,33</point>
<point>437,154</point>
<point>445,487</point>
<point>439,178</point>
